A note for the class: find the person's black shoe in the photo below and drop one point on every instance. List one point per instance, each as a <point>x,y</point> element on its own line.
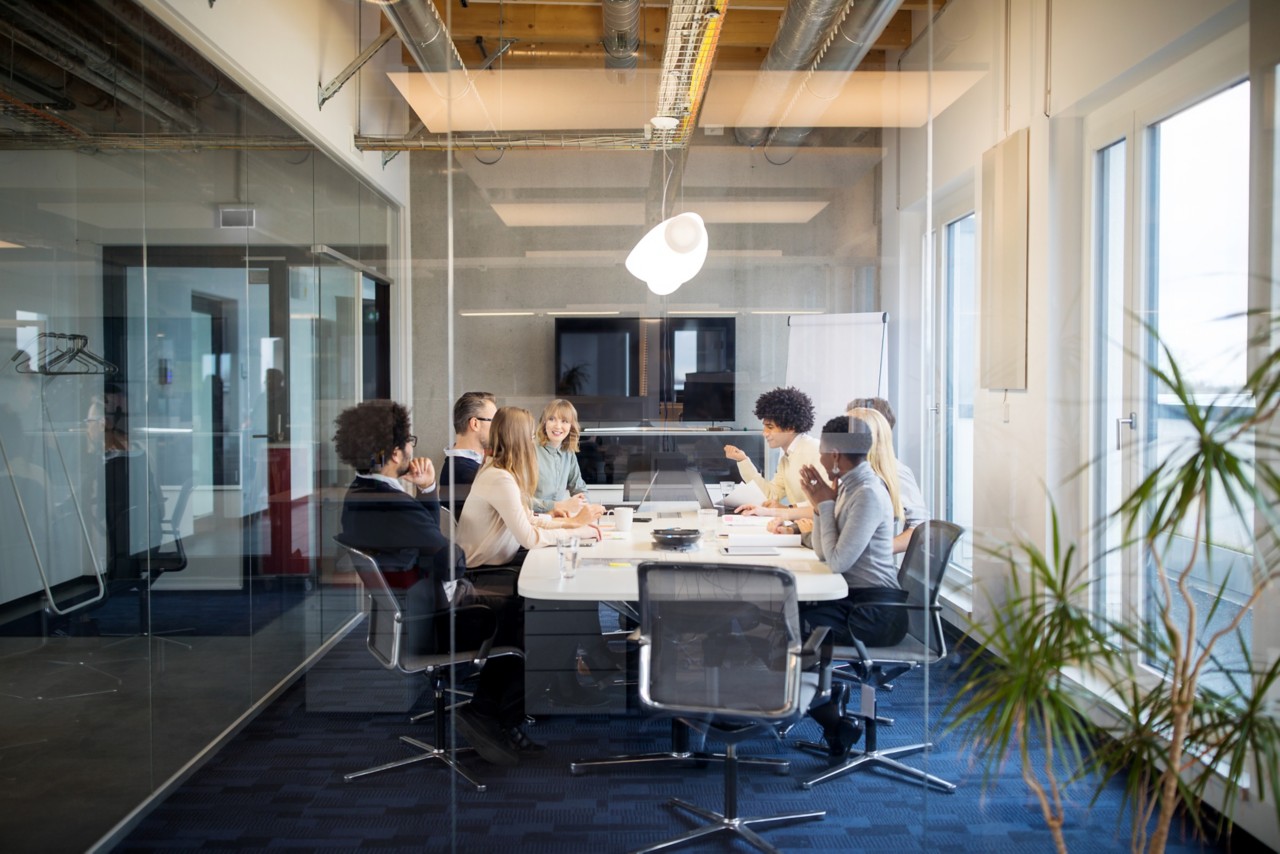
<point>524,746</point>
<point>486,735</point>
<point>841,738</point>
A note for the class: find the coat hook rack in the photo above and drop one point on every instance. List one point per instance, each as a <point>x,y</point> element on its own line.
<point>60,353</point>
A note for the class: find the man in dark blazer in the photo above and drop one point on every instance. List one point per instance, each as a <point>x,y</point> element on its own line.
<point>403,533</point>
<point>472,414</point>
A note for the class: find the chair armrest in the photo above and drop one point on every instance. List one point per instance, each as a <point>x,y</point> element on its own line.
<point>815,639</point>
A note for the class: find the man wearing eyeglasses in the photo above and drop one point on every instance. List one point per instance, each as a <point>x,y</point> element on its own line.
<point>403,534</point>
<point>472,414</point>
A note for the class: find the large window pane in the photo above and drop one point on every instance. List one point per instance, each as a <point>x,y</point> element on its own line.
<point>1199,294</point>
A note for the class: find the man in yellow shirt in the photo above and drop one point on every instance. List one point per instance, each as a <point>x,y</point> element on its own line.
<point>787,416</point>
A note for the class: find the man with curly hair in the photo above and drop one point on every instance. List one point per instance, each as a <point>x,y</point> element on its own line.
<point>403,533</point>
<point>787,416</point>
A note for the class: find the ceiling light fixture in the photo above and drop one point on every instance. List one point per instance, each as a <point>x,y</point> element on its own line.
<point>671,253</point>
<point>664,122</point>
<point>496,313</point>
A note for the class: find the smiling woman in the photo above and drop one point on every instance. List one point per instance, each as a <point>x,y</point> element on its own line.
<point>560,484</point>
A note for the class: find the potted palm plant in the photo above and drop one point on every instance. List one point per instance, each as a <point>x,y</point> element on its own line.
<point>1172,733</point>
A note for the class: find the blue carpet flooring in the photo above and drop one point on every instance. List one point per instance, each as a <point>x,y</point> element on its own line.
<point>279,785</point>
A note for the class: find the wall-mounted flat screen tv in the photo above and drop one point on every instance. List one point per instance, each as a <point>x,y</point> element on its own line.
<point>625,368</point>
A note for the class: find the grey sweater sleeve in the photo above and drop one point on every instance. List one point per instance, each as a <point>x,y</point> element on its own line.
<point>840,540</point>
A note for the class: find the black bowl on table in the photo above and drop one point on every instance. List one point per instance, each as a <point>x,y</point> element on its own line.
<point>676,538</point>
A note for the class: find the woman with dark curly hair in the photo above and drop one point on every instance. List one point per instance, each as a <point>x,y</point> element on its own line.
<point>787,415</point>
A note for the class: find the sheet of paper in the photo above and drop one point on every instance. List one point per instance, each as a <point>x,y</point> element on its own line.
<point>732,520</point>
<point>743,493</point>
<point>763,539</point>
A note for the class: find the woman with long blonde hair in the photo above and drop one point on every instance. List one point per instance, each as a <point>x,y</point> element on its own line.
<point>561,489</point>
<point>497,520</point>
<point>881,458</point>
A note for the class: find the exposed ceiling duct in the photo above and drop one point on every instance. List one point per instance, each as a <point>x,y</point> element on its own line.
<point>808,37</point>
<point>805,24</point>
<point>853,39</point>
<point>621,33</point>
<point>424,35</point>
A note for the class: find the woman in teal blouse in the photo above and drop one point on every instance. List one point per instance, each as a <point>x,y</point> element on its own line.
<point>561,488</point>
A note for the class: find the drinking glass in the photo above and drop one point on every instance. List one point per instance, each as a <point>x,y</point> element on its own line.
<point>567,551</point>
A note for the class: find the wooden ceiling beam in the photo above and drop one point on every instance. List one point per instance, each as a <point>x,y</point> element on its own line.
<point>549,23</point>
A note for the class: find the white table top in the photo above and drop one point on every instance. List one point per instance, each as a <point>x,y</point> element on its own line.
<point>607,571</point>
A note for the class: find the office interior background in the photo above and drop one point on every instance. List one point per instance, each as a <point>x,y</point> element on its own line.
<point>212,240</point>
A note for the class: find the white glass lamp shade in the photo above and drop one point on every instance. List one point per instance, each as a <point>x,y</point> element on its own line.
<point>671,253</point>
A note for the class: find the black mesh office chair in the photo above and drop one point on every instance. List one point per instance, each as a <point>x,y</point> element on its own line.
<point>720,649</point>
<point>386,640</point>
<point>923,567</point>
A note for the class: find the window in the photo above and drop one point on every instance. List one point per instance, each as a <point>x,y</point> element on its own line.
<point>1197,296</point>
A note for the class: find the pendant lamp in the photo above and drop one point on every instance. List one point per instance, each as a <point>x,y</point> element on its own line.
<point>671,253</point>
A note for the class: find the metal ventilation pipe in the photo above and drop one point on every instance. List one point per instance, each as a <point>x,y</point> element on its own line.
<point>801,31</point>
<point>853,38</point>
<point>621,33</point>
<point>423,34</point>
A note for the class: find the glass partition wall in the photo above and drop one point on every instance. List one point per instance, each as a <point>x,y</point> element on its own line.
<point>185,325</point>
<point>175,347</point>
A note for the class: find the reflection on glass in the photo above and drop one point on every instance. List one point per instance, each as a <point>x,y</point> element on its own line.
<point>960,281</point>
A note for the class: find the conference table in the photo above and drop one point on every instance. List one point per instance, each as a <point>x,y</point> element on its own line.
<point>607,570</point>
<point>559,609</point>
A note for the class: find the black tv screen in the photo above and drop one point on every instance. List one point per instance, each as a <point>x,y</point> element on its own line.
<point>621,369</point>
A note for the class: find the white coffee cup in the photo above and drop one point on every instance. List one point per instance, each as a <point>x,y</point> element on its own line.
<point>567,551</point>
<point>622,518</point>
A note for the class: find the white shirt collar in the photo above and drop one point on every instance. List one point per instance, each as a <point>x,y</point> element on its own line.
<point>478,456</point>
<point>390,481</point>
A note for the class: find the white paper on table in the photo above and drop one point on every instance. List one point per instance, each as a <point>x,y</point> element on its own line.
<point>733,520</point>
<point>743,493</point>
<point>777,540</point>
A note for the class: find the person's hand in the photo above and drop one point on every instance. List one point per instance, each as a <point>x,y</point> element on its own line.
<point>571,505</point>
<point>735,453</point>
<point>778,526</point>
<point>422,473</point>
<point>757,510</point>
<point>815,488</point>
<point>597,510</point>
<point>804,526</point>
<point>581,518</point>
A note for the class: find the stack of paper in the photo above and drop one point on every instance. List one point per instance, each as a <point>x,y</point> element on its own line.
<point>763,539</point>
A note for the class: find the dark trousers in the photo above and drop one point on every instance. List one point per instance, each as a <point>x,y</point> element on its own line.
<point>500,690</point>
<point>864,614</point>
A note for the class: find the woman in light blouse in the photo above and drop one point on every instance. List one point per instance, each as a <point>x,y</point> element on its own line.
<point>497,520</point>
<point>561,488</point>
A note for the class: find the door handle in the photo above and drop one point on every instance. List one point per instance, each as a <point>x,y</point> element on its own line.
<point>1132,421</point>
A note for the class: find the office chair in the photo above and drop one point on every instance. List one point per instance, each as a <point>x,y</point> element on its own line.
<point>720,649</point>
<point>151,564</point>
<point>386,640</point>
<point>923,566</point>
